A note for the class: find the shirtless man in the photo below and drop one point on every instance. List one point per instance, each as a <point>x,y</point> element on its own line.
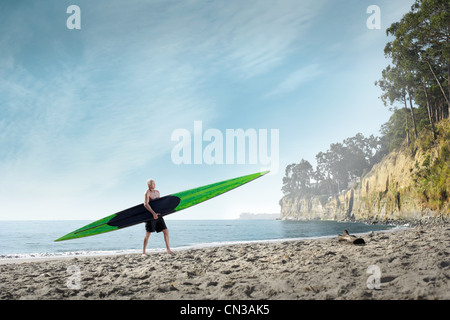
<point>157,224</point>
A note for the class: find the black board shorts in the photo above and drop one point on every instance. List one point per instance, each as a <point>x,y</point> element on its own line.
<point>157,225</point>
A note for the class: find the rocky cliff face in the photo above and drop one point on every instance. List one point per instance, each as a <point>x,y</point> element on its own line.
<point>387,192</point>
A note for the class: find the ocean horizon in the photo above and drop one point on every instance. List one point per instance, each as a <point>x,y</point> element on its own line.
<point>21,239</point>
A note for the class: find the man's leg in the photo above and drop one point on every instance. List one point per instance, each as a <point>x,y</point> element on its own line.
<point>166,239</point>
<point>147,235</point>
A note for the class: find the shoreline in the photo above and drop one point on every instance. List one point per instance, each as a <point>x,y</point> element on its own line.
<point>412,263</point>
<point>36,258</point>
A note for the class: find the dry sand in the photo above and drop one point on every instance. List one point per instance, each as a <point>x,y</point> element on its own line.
<point>412,264</point>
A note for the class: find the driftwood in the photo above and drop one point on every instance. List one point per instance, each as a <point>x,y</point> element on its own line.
<point>345,236</point>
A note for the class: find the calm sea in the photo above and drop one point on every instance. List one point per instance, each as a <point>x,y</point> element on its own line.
<point>28,239</point>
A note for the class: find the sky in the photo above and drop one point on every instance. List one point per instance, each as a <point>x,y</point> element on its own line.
<point>88,115</point>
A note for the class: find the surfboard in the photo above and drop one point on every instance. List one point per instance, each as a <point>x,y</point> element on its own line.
<point>164,205</point>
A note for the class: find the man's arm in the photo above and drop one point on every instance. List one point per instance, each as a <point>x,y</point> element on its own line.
<point>147,206</point>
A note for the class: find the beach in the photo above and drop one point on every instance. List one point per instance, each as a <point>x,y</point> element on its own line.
<point>403,264</point>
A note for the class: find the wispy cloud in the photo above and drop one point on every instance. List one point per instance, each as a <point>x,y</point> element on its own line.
<point>250,37</point>
<point>79,130</point>
<point>247,38</point>
<point>80,109</point>
<point>295,79</point>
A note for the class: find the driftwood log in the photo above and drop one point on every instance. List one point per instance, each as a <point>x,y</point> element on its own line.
<point>345,236</point>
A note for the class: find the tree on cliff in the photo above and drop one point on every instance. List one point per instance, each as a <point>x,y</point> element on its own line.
<point>420,54</point>
<point>297,179</point>
<point>415,86</point>
<point>336,168</point>
<point>398,86</point>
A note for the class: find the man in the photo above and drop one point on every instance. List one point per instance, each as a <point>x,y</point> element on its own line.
<point>157,223</point>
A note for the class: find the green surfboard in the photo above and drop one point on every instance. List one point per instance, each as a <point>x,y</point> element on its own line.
<point>164,205</point>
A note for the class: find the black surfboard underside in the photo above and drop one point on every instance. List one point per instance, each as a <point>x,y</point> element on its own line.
<point>138,214</point>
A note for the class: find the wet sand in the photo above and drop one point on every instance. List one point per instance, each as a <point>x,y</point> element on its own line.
<point>409,264</point>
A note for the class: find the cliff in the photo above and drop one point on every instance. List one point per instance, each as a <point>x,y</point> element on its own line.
<point>408,184</point>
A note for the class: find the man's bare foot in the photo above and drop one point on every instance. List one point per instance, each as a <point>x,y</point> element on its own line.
<point>170,251</point>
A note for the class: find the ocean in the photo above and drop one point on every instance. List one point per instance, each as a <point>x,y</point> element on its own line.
<point>35,239</point>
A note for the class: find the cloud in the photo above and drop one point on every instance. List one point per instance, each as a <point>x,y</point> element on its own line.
<point>247,38</point>
<point>81,109</point>
<point>296,79</point>
<point>68,131</point>
<point>255,37</point>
